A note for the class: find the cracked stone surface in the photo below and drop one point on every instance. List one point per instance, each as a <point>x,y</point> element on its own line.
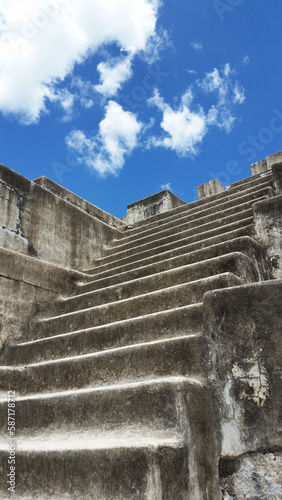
<point>253,477</point>
<point>145,353</point>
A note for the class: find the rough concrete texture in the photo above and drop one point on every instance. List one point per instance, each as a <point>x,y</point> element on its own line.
<point>268,230</point>
<point>246,364</point>
<point>209,189</point>
<point>28,285</point>
<point>51,225</point>
<point>79,202</point>
<point>266,164</point>
<point>277,177</point>
<point>254,476</point>
<point>156,372</point>
<point>152,205</point>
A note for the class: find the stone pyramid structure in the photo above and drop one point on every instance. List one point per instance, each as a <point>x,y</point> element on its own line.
<point>141,358</point>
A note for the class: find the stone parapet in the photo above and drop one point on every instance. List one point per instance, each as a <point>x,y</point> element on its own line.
<point>209,189</point>
<point>70,197</point>
<point>266,164</point>
<point>49,222</point>
<point>152,205</point>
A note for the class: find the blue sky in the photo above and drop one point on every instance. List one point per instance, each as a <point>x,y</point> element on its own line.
<point>116,100</point>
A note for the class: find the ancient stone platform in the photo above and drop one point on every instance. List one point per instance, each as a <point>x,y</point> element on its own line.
<point>145,353</point>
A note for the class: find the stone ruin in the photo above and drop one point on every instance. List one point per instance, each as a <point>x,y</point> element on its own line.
<point>142,357</point>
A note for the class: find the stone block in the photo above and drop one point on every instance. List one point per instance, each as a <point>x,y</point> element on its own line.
<point>265,164</point>
<point>209,189</point>
<point>152,205</point>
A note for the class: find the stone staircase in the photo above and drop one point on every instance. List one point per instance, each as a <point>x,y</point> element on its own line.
<point>113,400</point>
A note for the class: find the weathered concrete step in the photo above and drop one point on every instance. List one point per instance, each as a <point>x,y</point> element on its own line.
<point>182,321</point>
<point>109,270</point>
<point>250,182</point>
<point>214,200</point>
<point>205,214</point>
<point>179,356</point>
<point>90,468</point>
<point>266,176</point>
<point>188,231</point>
<point>165,250</point>
<point>236,263</point>
<point>244,244</point>
<point>160,300</point>
<point>141,408</point>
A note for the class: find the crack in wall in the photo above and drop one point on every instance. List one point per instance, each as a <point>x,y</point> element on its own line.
<point>21,200</point>
<point>26,283</point>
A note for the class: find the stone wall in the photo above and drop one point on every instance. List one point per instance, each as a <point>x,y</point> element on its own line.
<point>268,223</point>
<point>50,223</point>
<point>229,408</point>
<point>28,286</point>
<point>243,326</point>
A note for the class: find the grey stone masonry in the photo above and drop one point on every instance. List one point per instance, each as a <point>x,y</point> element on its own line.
<point>266,164</point>
<point>209,188</point>
<point>142,357</point>
<point>152,205</point>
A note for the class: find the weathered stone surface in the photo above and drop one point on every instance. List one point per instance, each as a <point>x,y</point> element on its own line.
<point>254,476</point>
<point>277,177</point>
<point>266,164</point>
<point>50,223</point>
<point>125,389</point>
<point>152,205</point>
<point>268,230</point>
<point>209,189</point>
<point>28,285</point>
<point>70,197</point>
<point>243,326</point>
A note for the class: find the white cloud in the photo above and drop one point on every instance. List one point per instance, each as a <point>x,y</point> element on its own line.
<point>106,151</point>
<point>65,99</point>
<point>41,42</point>
<point>81,91</point>
<point>191,71</point>
<point>197,45</point>
<point>113,74</point>
<point>246,59</point>
<point>185,126</point>
<point>239,94</point>
<point>166,186</point>
<point>184,129</point>
<point>84,91</point>
<point>229,93</point>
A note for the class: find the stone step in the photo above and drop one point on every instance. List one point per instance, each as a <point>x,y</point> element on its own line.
<point>139,408</point>
<point>205,214</point>
<point>178,356</point>
<point>182,321</point>
<point>118,422</point>
<point>89,468</point>
<point>188,230</point>
<point>174,251</point>
<point>185,243</point>
<point>231,194</point>
<point>264,176</point>
<point>236,263</point>
<point>249,182</point>
<point>159,300</point>
<point>244,244</point>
